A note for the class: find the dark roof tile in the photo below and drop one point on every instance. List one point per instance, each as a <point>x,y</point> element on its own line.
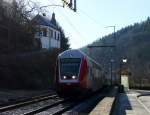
<point>44,21</point>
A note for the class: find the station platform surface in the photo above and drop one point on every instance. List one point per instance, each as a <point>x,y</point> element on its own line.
<point>104,107</point>
<point>133,102</point>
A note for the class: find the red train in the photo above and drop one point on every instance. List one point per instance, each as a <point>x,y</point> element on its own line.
<point>76,72</point>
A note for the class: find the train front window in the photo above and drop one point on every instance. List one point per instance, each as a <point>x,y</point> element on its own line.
<point>69,68</point>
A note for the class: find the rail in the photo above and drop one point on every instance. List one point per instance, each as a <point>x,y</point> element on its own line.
<point>27,102</point>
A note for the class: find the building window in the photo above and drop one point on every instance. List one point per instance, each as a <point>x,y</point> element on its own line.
<point>51,33</point>
<point>40,33</point>
<point>58,37</point>
<point>44,32</point>
<point>55,35</point>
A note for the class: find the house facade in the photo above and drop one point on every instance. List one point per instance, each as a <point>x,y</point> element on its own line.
<point>47,31</point>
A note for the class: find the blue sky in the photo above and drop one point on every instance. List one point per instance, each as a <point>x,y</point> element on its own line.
<point>92,16</point>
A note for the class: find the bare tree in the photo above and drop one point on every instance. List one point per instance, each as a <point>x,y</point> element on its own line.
<point>15,21</point>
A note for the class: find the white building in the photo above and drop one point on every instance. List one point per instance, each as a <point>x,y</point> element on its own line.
<point>47,31</point>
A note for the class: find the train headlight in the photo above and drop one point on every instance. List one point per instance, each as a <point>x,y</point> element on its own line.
<point>64,77</point>
<point>73,77</point>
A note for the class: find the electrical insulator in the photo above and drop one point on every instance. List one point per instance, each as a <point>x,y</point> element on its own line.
<point>75,6</point>
<point>70,4</point>
<point>65,3</point>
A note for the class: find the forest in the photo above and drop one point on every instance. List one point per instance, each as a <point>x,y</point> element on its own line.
<point>131,42</point>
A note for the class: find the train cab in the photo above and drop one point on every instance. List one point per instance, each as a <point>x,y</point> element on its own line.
<point>75,73</point>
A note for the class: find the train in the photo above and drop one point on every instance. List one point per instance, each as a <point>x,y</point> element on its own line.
<point>77,73</point>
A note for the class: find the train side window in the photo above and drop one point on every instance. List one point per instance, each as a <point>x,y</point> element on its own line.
<point>90,72</point>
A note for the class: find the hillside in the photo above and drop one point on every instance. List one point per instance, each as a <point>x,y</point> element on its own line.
<point>133,43</point>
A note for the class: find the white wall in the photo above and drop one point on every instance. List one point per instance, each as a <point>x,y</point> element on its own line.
<point>45,42</point>
<point>49,41</point>
<point>55,43</point>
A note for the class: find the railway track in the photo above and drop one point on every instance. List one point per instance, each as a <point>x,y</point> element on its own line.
<point>56,108</point>
<point>53,104</point>
<point>10,107</point>
<point>84,105</point>
<point>25,98</point>
<point>44,105</point>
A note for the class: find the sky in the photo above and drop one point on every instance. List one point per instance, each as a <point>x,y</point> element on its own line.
<point>93,16</point>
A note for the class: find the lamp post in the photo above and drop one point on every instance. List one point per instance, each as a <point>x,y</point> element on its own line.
<point>111,61</point>
<point>124,80</point>
<point>123,61</point>
<point>113,45</point>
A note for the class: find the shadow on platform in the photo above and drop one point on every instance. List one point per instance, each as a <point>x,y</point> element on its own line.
<point>122,106</point>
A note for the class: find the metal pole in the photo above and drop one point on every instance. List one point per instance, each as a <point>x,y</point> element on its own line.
<point>111,72</point>
<point>114,53</point>
<point>111,46</point>
<point>120,73</point>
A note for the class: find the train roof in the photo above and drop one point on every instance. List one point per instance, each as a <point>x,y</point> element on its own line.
<point>72,53</point>
<point>75,53</point>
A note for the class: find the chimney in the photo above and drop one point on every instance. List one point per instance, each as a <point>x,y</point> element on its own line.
<point>53,16</point>
<point>53,20</point>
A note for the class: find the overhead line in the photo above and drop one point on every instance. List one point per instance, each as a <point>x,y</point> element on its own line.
<point>88,16</point>
<point>79,33</point>
<point>91,18</point>
<point>76,42</point>
<point>92,46</point>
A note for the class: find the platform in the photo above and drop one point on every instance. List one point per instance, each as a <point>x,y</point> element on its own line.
<point>105,106</point>
<point>134,102</point>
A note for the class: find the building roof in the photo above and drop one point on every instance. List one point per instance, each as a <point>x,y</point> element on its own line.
<point>43,20</point>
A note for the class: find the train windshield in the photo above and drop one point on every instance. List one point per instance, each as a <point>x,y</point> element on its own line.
<point>69,67</point>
